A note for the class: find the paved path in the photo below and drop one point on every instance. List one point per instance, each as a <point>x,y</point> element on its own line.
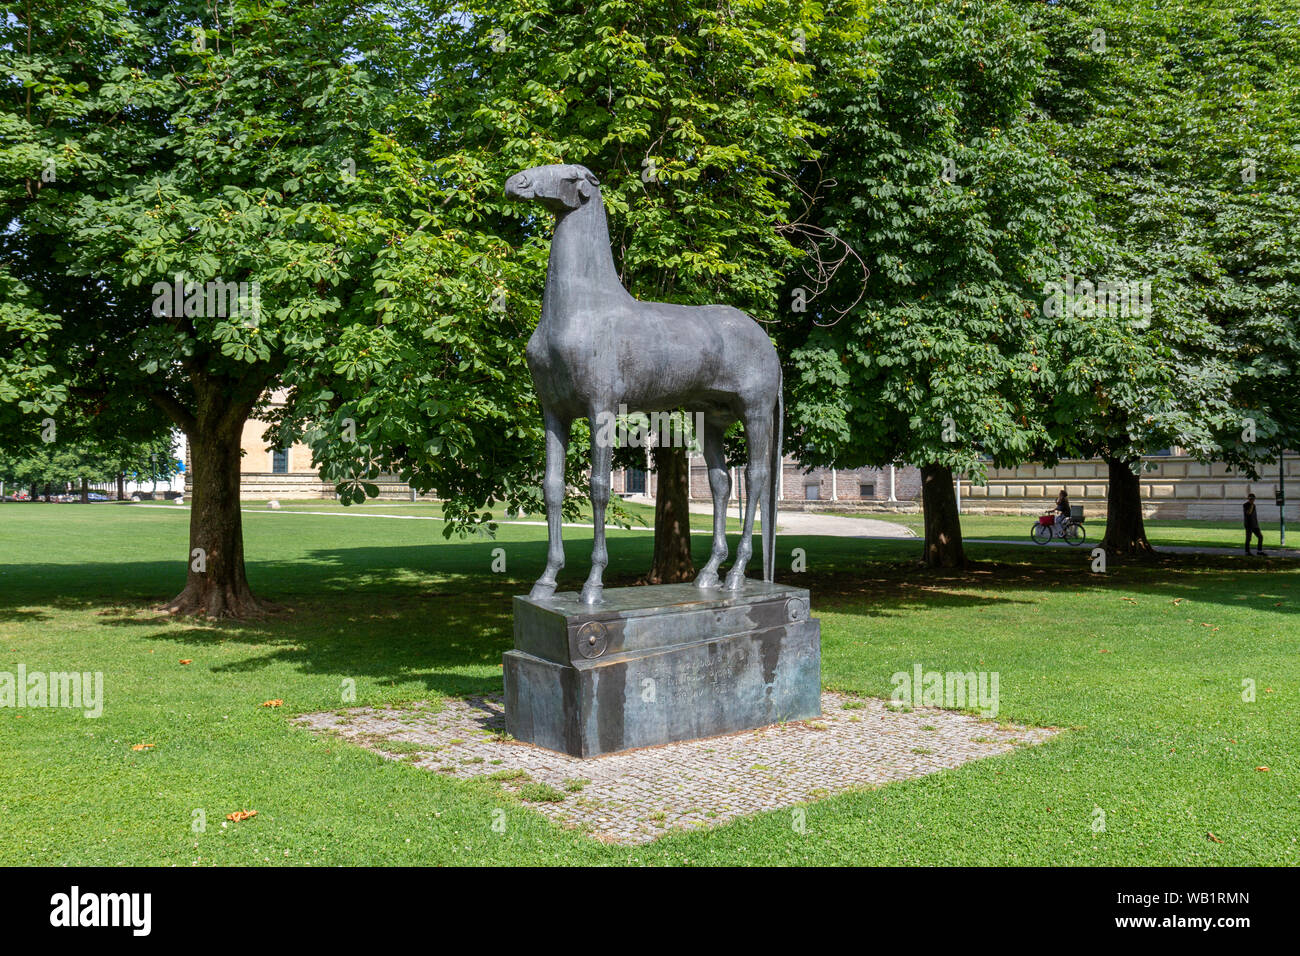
<point>636,796</point>
<point>804,522</point>
<point>788,522</point>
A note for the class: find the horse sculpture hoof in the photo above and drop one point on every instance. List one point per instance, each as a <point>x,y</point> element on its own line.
<point>736,580</point>
<point>541,591</point>
<point>592,593</point>
<point>708,580</point>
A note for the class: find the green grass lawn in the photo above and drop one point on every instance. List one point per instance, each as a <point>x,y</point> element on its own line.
<point>1143,668</point>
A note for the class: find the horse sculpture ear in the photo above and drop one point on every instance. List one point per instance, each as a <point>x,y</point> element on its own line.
<point>587,183</point>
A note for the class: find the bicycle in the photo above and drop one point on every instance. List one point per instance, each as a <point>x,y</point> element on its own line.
<point>1072,530</point>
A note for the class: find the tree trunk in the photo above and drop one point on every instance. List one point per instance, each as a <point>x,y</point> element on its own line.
<point>943,547</point>
<point>216,586</point>
<point>121,486</point>
<point>85,491</point>
<point>672,557</point>
<point>1125,532</point>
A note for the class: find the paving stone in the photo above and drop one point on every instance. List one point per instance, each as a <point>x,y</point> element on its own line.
<point>639,795</point>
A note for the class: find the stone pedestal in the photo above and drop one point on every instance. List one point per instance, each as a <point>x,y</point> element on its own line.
<point>656,664</point>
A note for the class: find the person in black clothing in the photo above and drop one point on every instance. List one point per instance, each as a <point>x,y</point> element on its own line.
<point>1251,519</point>
<point>1062,511</point>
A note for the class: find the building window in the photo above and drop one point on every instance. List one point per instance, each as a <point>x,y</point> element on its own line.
<point>280,462</point>
<point>812,492</point>
<point>634,481</point>
<point>866,491</point>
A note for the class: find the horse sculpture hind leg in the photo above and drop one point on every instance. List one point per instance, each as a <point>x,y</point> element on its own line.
<point>759,436</point>
<point>715,459</point>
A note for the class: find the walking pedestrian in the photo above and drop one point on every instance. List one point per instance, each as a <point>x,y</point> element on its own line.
<point>1250,517</point>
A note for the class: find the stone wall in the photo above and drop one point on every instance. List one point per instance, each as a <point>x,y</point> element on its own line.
<point>263,486</point>
<point>822,489</point>
<point>1173,486</point>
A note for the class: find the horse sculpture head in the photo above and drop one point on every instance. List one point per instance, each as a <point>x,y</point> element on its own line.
<point>560,188</point>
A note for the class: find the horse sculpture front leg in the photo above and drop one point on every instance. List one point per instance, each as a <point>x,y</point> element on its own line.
<point>557,445</point>
<point>602,459</point>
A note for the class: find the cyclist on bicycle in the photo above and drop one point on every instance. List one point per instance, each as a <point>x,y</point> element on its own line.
<point>1062,511</point>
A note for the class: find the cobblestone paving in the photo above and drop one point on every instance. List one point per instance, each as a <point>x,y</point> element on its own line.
<point>638,795</point>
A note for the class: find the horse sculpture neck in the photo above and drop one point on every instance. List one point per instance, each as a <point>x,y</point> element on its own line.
<point>581,272</point>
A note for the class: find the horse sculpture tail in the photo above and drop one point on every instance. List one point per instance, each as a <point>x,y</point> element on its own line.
<point>773,486</point>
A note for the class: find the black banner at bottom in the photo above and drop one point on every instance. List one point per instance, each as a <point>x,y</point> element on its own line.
<point>340,905</point>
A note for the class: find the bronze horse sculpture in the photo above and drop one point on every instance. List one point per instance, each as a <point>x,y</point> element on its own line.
<point>597,347</point>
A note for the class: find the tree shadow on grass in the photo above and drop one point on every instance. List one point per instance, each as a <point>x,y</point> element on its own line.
<point>21,615</point>
<point>889,589</point>
<point>438,616</point>
<point>422,614</point>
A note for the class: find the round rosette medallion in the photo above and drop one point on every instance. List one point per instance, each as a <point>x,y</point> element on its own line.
<point>593,638</point>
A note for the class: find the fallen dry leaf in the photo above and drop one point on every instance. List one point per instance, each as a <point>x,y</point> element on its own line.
<point>273,703</point>
<point>1263,769</point>
<point>1213,837</point>
<point>239,815</point>
<point>187,661</point>
<point>142,746</point>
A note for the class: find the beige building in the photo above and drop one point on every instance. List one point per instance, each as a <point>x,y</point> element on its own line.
<point>1173,485</point>
<point>267,472</point>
